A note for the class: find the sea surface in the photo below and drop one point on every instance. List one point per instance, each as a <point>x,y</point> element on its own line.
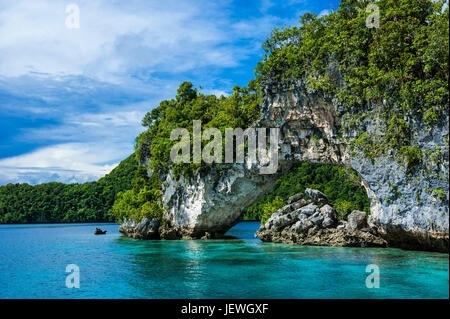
<point>33,261</point>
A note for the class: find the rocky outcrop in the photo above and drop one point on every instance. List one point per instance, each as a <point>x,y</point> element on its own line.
<point>146,229</point>
<point>357,220</point>
<point>314,222</point>
<point>403,209</point>
<point>204,206</point>
<point>211,204</point>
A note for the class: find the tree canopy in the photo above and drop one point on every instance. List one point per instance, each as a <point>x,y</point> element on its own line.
<point>394,76</point>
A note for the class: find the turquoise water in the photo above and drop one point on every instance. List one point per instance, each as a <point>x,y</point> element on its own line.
<point>34,259</point>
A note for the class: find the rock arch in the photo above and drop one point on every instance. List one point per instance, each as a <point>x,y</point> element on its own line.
<point>209,205</point>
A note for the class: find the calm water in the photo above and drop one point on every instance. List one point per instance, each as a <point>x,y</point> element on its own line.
<point>34,259</point>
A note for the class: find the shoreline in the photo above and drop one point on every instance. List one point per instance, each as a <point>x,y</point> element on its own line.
<point>58,223</point>
<point>242,221</point>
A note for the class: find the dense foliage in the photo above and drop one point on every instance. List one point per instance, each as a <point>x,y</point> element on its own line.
<point>341,185</point>
<point>239,109</point>
<point>394,76</point>
<point>57,202</point>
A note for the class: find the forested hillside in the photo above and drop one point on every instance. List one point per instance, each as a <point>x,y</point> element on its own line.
<point>57,202</point>
<point>400,66</point>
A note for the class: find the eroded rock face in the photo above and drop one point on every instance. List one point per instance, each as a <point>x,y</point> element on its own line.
<point>316,224</point>
<point>212,204</point>
<point>357,220</point>
<point>401,209</point>
<point>146,229</point>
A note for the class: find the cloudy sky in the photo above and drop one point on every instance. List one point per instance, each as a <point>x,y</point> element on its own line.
<point>71,99</point>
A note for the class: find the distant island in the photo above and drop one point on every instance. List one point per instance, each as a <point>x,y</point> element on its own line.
<point>66,203</point>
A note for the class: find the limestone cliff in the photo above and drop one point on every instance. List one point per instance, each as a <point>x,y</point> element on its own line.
<point>211,204</point>
<point>402,209</point>
<point>372,98</point>
<point>405,213</point>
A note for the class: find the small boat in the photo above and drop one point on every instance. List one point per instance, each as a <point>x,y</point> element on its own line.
<point>98,231</point>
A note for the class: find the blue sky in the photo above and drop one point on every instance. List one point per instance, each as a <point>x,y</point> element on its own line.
<point>71,100</point>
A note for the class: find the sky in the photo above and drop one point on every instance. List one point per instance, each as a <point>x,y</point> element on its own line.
<point>72,95</point>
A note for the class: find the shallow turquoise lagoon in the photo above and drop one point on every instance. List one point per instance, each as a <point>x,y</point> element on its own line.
<point>34,259</point>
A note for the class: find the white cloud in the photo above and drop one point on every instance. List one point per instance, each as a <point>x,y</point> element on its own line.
<point>324,12</point>
<point>113,38</point>
<point>217,93</point>
<point>67,163</point>
<point>94,84</point>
